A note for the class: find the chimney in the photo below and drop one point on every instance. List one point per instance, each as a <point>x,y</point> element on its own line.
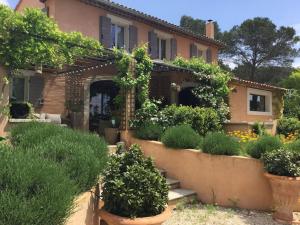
<point>210,29</point>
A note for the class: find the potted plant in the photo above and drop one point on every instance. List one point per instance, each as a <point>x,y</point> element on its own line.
<point>112,133</point>
<point>134,191</point>
<point>283,173</point>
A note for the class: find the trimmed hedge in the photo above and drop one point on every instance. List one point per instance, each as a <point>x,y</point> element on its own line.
<point>33,190</point>
<point>287,126</point>
<point>149,131</point>
<point>220,144</point>
<point>81,155</point>
<point>264,144</point>
<point>181,137</point>
<point>202,120</point>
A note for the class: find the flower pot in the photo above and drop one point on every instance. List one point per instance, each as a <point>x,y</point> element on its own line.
<point>111,135</point>
<point>112,219</point>
<point>285,192</point>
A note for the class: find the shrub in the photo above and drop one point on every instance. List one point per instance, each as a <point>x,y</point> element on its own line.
<point>287,126</point>
<point>263,144</point>
<point>294,146</point>
<point>149,131</point>
<point>220,144</point>
<point>133,187</point>
<point>33,190</point>
<point>81,155</point>
<point>181,137</point>
<point>202,120</point>
<point>282,162</point>
<point>20,110</point>
<point>259,128</point>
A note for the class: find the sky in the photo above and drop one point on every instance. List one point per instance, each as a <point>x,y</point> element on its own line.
<point>226,12</point>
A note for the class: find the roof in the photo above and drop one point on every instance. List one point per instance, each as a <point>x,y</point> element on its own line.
<point>137,15</point>
<point>253,84</point>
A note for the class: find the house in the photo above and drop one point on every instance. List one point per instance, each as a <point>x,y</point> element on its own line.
<point>86,90</point>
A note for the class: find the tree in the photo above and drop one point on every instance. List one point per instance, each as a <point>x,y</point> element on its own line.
<point>292,97</point>
<point>32,38</point>
<point>259,43</point>
<point>197,26</point>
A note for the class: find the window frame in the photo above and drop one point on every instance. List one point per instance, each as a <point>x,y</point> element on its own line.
<point>268,102</point>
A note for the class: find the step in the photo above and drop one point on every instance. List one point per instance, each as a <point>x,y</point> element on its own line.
<point>173,183</point>
<point>177,195</point>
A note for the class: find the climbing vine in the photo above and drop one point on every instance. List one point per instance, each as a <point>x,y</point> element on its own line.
<point>138,77</point>
<point>32,38</point>
<point>212,89</point>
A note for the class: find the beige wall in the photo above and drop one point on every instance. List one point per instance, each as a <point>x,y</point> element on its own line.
<point>231,181</point>
<point>73,15</point>
<point>4,98</point>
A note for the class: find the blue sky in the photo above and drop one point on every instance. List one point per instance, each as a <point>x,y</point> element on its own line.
<point>227,12</point>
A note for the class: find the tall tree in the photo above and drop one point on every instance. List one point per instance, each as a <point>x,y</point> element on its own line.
<point>259,43</point>
<point>198,26</point>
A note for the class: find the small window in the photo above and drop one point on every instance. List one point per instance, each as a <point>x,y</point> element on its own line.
<point>118,36</point>
<point>257,103</point>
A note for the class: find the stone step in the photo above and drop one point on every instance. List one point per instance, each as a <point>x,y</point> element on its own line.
<point>178,194</point>
<point>173,183</point>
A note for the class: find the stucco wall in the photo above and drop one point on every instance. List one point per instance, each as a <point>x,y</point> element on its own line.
<point>73,15</point>
<point>225,180</point>
<point>4,98</point>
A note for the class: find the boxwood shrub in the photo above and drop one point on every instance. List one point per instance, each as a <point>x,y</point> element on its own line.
<point>282,162</point>
<point>263,144</point>
<point>202,120</point>
<point>181,137</point>
<point>33,190</point>
<point>149,131</point>
<point>218,143</point>
<point>133,187</point>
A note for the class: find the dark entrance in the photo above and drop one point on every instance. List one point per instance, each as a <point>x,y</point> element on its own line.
<point>187,98</point>
<point>102,94</point>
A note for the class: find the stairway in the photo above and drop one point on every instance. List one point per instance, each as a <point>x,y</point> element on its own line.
<point>177,194</point>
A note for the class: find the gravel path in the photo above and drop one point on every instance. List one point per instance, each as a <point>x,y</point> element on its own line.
<point>197,214</point>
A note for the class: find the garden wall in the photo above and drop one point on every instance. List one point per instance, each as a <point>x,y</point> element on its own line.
<point>4,98</point>
<point>231,181</point>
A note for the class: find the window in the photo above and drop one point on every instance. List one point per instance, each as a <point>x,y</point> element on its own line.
<point>259,102</point>
<point>161,48</point>
<point>118,36</point>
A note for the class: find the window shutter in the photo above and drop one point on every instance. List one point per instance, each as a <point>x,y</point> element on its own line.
<point>208,55</point>
<point>105,31</point>
<point>173,48</point>
<point>133,38</point>
<point>193,50</point>
<point>36,87</point>
<point>153,48</point>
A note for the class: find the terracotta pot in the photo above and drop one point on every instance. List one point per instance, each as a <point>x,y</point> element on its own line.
<point>112,219</point>
<point>285,192</point>
<point>111,135</point>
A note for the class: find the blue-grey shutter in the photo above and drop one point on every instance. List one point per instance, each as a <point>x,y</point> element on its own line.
<point>133,37</point>
<point>105,31</point>
<point>173,48</point>
<point>36,87</point>
<point>193,50</point>
<point>153,48</point>
<point>208,55</point>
